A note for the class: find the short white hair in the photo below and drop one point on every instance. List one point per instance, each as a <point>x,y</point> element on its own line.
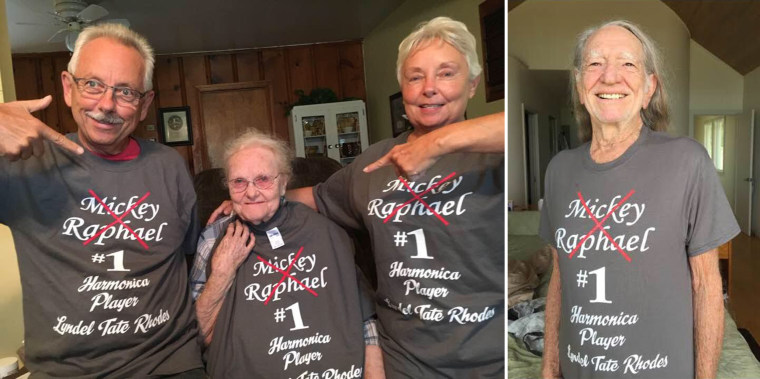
<point>254,138</point>
<point>123,35</point>
<point>445,29</point>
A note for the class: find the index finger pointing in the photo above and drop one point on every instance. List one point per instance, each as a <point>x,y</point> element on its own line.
<point>383,161</point>
<point>61,140</point>
<point>36,104</point>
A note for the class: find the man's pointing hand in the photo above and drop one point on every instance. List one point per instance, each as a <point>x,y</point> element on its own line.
<point>22,135</point>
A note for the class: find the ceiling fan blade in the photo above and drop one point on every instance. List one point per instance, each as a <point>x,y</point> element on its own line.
<point>59,36</point>
<point>92,13</point>
<point>71,39</point>
<point>36,23</point>
<point>122,21</point>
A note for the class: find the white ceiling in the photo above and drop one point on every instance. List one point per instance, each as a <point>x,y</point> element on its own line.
<point>181,26</point>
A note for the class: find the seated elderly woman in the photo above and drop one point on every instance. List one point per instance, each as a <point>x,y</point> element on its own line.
<point>280,296</point>
<point>435,219</point>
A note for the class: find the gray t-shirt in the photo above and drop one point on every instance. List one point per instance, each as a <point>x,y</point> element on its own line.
<point>101,250</point>
<point>311,326</point>
<point>439,253</point>
<point>624,255</point>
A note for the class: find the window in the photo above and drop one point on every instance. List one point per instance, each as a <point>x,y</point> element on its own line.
<point>709,138</point>
<point>714,140</point>
<point>720,134</point>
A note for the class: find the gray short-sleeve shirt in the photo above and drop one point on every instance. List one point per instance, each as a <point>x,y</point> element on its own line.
<point>624,232</point>
<point>438,243</point>
<point>101,249</point>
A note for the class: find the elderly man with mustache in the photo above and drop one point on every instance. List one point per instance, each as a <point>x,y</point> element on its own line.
<point>101,222</point>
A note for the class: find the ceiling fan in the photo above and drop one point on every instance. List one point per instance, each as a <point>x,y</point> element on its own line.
<point>76,15</point>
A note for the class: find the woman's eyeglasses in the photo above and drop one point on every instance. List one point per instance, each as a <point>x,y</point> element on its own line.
<point>262,182</point>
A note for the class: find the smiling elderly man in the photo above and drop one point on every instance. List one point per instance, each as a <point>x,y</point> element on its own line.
<point>101,233</point>
<point>635,217</point>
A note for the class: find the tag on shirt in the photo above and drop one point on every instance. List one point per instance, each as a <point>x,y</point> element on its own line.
<point>275,238</point>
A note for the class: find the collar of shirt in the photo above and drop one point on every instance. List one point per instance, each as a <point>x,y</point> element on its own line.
<point>131,152</point>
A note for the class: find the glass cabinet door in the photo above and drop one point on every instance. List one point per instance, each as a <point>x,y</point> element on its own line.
<point>314,137</point>
<point>349,136</point>
<point>334,130</point>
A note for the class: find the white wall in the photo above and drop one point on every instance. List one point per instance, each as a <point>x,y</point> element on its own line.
<point>714,87</point>
<point>541,35</point>
<point>717,89</point>
<point>381,49</point>
<point>522,86</point>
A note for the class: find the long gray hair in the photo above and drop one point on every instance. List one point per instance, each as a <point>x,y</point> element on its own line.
<point>656,115</point>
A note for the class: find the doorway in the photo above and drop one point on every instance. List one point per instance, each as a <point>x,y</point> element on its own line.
<point>532,159</point>
<point>228,110</point>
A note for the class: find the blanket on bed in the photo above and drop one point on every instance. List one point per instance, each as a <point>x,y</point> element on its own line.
<point>524,245</point>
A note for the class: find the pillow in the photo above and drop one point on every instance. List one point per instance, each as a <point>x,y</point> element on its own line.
<point>523,223</point>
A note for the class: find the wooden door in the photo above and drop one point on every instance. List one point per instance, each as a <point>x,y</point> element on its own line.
<point>228,110</point>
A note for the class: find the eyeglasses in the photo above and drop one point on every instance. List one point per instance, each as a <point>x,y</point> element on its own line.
<point>94,89</point>
<point>262,182</point>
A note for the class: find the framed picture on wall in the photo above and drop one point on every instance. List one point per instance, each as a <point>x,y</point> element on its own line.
<point>399,122</point>
<point>174,126</point>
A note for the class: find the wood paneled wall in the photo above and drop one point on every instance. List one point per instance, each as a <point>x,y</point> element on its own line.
<point>339,66</point>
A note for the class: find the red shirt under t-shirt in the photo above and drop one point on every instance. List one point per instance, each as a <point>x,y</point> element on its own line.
<point>131,152</point>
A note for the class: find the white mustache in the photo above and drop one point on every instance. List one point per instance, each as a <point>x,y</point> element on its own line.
<point>108,118</point>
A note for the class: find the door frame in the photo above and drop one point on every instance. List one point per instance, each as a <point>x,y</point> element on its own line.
<point>750,180</point>
<point>531,156</point>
